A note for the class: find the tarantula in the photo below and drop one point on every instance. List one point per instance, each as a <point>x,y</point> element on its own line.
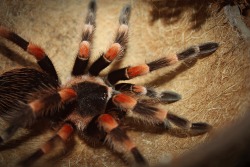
<point>92,106</point>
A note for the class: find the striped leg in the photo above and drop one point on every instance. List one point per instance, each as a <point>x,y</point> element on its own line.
<point>10,131</point>
<point>26,114</point>
<point>82,58</point>
<point>63,134</point>
<point>152,114</point>
<point>117,49</point>
<point>119,140</point>
<point>42,59</point>
<point>135,71</point>
<point>164,97</point>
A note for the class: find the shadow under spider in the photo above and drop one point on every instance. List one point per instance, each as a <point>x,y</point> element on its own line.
<point>170,11</point>
<point>36,130</point>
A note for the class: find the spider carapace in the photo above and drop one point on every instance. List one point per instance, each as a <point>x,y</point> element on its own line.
<point>89,105</point>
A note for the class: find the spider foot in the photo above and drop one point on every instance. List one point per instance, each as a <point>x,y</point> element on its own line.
<point>200,128</point>
<point>196,128</point>
<point>169,97</point>
<point>202,49</point>
<point>208,48</point>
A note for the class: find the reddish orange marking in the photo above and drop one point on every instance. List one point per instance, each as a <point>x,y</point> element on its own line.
<point>137,70</point>
<point>84,49</point>
<point>4,32</point>
<point>65,131</point>
<point>36,51</point>
<point>113,51</point>
<point>124,101</point>
<point>67,94</point>
<point>107,122</point>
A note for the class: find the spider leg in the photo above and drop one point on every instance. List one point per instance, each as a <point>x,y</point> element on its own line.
<point>42,59</point>
<point>138,90</point>
<point>119,140</point>
<point>10,131</point>
<point>62,134</point>
<point>135,71</point>
<point>117,49</point>
<point>82,58</point>
<point>152,114</point>
<point>26,114</point>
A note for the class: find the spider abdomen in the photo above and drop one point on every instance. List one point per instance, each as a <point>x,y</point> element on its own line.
<point>21,86</point>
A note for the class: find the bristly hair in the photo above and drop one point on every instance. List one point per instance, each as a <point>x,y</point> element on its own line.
<point>202,49</point>
<point>26,87</point>
<point>157,64</point>
<point>90,19</point>
<point>208,48</point>
<point>122,34</point>
<point>125,14</point>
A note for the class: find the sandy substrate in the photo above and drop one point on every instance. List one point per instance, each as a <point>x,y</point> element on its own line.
<point>214,89</point>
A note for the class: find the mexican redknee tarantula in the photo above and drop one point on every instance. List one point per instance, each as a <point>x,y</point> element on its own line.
<point>87,104</point>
